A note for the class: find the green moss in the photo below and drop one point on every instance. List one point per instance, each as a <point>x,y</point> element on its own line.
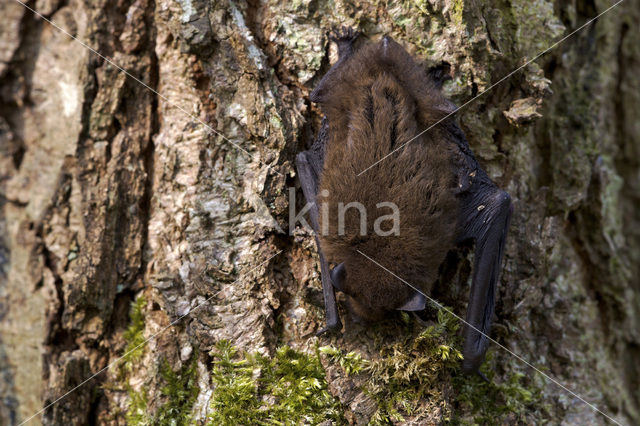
<point>138,406</point>
<point>409,371</point>
<point>134,337</point>
<point>134,349</point>
<point>417,372</point>
<point>289,388</point>
<point>351,362</point>
<point>134,334</point>
<point>181,390</point>
<point>458,9</point>
<point>517,399</point>
<point>235,395</point>
<point>179,394</point>
<point>411,378</point>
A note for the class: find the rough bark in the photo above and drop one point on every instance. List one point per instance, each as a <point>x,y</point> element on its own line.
<point>109,190</point>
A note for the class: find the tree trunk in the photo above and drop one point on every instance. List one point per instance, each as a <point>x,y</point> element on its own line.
<point>169,185</point>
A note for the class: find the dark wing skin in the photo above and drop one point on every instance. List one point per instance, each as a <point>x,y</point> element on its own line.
<point>484,218</point>
<point>309,165</point>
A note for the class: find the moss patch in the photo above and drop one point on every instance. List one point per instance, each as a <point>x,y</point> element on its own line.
<point>289,388</point>
<point>420,377</point>
<point>414,370</point>
<point>138,406</point>
<point>181,390</point>
<point>134,334</point>
<point>179,393</point>
<point>417,378</point>
<point>517,400</point>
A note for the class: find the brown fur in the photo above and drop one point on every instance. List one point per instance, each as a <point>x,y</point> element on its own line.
<point>380,99</point>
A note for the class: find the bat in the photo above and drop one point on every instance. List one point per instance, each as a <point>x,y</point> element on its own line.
<point>376,188</point>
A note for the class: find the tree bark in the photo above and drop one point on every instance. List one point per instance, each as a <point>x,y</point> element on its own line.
<point>171,182</point>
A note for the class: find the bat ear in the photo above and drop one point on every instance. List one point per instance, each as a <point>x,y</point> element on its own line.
<point>417,302</point>
<point>338,275</point>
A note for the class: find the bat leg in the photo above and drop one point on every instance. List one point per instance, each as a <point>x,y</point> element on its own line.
<point>330,305</point>
<point>485,218</point>
<point>439,74</point>
<point>308,172</point>
<point>344,38</point>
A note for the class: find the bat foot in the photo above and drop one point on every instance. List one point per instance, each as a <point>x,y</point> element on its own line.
<point>328,328</point>
<point>322,331</point>
<point>423,321</point>
<point>344,37</point>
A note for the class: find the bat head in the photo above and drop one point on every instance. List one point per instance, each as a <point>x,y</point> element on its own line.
<point>371,297</point>
<point>362,312</point>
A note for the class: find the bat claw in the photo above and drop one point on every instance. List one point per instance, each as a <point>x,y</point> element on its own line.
<point>483,377</point>
<point>343,35</point>
<point>322,331</point>
<point>344,38</point>
<point>329,327</point>
<point>422,321</point>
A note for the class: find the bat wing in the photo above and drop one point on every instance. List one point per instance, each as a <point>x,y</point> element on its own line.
<point>486,211</point>
<point>309,165</point>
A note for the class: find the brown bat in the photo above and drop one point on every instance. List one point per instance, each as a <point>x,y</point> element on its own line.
<point>376,100</point>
